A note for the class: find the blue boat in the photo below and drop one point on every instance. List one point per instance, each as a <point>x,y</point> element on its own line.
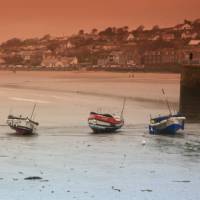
<point>168,124</point>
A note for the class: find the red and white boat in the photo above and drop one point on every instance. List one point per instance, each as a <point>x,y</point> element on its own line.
<point>104,122</point>
<point>100,123</point>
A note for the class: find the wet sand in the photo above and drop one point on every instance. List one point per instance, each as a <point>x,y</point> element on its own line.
<point>76,164</point>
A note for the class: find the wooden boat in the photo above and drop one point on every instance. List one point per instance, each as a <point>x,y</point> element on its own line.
<point>22,125</point>
<point>104,122</point>
<point>167,124</point>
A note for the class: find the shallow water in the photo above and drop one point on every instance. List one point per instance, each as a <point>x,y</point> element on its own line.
<point>74,163</point>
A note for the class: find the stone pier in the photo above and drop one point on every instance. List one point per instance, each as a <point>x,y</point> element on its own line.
<point>190,92</point>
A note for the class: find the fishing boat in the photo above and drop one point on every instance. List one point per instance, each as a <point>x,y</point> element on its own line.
<point>167,124</point>
<point>23,125</point>
<point>105,122</point>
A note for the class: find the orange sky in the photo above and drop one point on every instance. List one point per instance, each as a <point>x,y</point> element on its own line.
<point>29,18</point>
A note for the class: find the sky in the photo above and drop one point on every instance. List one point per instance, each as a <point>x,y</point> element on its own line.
<point>34,18</point>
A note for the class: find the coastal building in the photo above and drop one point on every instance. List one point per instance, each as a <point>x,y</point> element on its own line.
<point>184,26</point>
<point>184,55</point>
<point>172,56</point>
<point>108,47</point>
<point>189,35</point>
<point>168,36</point>
<point>33,47</point>
<point>130,37</point>
<point>119,58</point>
<point>194,42</point>
<point>160,56</point>
<point>58,61</point>
<point>155,37</point>
<point>26,55</point>
<point>152,57</point>
<point>69,45</point>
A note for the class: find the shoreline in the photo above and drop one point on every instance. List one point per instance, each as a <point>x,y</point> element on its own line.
<point>120,69</point>
<point>88,72</point>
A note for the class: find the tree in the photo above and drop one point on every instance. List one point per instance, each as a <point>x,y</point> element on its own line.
<point>36,59</point>
<point>31,41</point>
<point>187,22</point>
<point>81,32</point>
<point>94,31</point>
<point>53,45</point>
<point>126,28</point>
<point>122,33</point>
<point>155,28</point>
<point>14,60</point>
<point>46,37</point>
<point>109,32</point>
<point>14,42</point>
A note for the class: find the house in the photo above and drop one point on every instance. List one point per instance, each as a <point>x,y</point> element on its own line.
<point>168,36</point>
<point>130,37</point>
<point>189,35</point>
<point>58,61</point>
<point>172,56</point>
<point>184,55</point>
<point>69,45</point>
<point>144,35</point>
<point>160,56</point>
<point>107,47</point>
<point>168,56</point>
<point>152,57</point>
<point>26,55</point>
<point>194,42</point>
<point>181,27</point>
<point>61,38</point>
<point>102,62</point>
<point>155,37</point>
<point>118,58</point>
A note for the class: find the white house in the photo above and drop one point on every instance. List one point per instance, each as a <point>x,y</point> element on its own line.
<point>155,37</point>
<point>194,42</point>
<point>130,37</point>
<point>181,27</point>
<point>70,45</point>
<point>53,61</point>
<point>188,35</point>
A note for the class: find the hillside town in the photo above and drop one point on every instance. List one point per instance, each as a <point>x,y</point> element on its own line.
<point>110,49</point>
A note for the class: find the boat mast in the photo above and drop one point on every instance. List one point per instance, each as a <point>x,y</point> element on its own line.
<point>33,111</point>
<point>167,102</point>
<point>10,111</point>
<point>122,112</point>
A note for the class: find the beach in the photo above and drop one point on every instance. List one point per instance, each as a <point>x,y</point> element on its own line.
<point>74,163</point>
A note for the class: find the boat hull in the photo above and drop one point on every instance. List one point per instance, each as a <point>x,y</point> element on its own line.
<point>104,129</point>
<point>23,130</point>
<point>171,129</point>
